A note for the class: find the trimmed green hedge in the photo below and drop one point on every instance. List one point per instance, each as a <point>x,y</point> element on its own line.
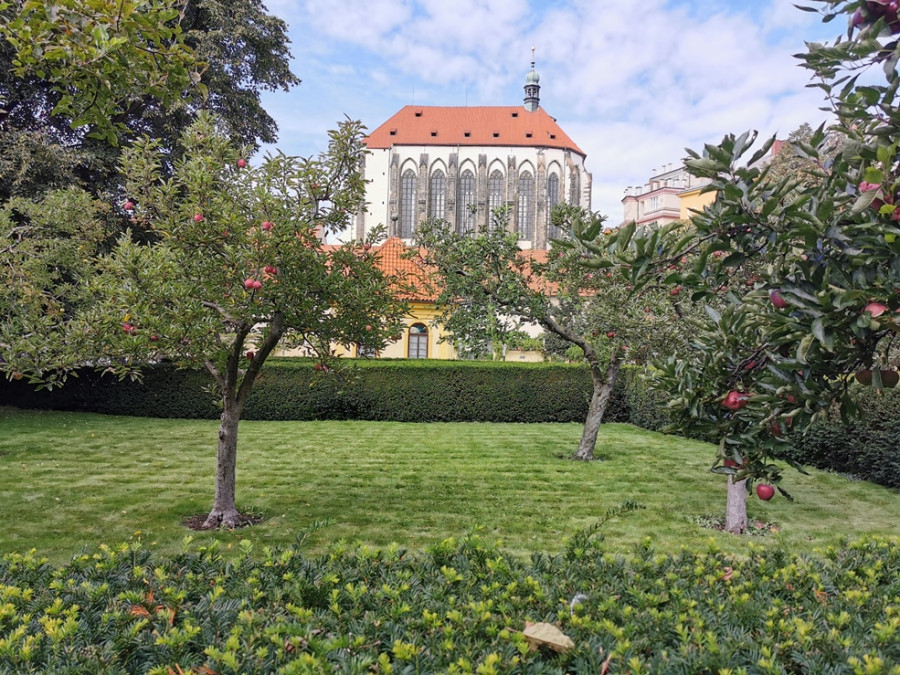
<point>404,391</point>
<point>868,448</point>
<point>460,607</point>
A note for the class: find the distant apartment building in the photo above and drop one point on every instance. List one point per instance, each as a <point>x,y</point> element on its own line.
<point>669,195</point>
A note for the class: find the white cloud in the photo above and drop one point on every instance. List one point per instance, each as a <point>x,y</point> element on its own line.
<point>631,86</point>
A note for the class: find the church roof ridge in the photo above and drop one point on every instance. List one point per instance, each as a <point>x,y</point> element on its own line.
<point>508,125</point>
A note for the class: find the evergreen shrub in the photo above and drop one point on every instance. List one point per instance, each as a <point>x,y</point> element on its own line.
<point>459,607</point>
<point>867,447</point>
<point>290,389</point>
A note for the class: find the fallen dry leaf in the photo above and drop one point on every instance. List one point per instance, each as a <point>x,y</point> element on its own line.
<point>539,634</point>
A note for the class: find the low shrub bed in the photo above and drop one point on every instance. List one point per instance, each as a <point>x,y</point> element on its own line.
<point>456,608</point>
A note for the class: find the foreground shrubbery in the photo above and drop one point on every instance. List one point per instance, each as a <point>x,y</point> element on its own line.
<point>458,608</point>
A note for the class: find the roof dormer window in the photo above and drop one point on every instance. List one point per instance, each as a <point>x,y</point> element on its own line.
<point>418,113</point>
<point>515,113</point>
<point>393,132</point>
<point>434,133</point>
<point>467,134</point>
<point>528,134</point>
<point>496,134</point>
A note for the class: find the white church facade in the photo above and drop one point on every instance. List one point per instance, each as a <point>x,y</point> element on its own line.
<point>461,163</point>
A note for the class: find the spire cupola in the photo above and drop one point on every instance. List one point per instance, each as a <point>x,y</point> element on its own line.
<point>532,88</point>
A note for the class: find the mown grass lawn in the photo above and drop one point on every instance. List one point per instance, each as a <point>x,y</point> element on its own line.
<point>72,481</point>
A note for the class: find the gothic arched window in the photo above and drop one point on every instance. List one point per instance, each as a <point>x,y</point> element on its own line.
<point>552,200</point>
<point>407,203</point>
<point>495,194</point>
<point>465,204</point>
<point>525,214</point>
<point>436,195</point>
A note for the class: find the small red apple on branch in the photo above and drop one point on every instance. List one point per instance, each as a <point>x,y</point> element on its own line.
<point>198,217</point>
<point>128,206</point>
<point>735,400</point>
<point>765,491</point>
<point>267,226</point>
<point>241,163</point>
<point>777,300</point>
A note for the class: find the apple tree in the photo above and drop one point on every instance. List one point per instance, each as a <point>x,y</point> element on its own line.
<point>480,277</point>
<point>237,270</point>
<point>826,263</point>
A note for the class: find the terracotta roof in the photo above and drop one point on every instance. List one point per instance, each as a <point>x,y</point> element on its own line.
<point>478,125</point>
<point>392,257</point>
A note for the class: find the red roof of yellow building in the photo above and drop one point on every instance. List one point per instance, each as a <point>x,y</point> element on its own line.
<point>419,280</point>
<point>478,125</point>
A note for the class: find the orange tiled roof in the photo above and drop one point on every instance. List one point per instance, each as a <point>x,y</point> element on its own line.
<point>478,125</point>
<point>392,259</point>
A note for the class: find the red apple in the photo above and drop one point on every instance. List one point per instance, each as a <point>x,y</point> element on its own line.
<point>765,491</point>
<point>890,378</point>
<point>271,270</point>
<point>368,327</point>
<point>750,365</point>
<point>777,300</point>
<point>198,217</point>
<point>267,225</point>
<point>624,348</point>
<point>257,284</point>
<point>367,246</point>
<point>241,163</point>
<point>127,327</point>
<point>248,283</point>
<point>610,334</point>
<point>250,355</point>
<point>128,206</point>
<point>729,462</point>
<point>154,338</point>
<point>735,400</point>
<point>675,291</point>
<point>864,377</point>
<point>876,309</point>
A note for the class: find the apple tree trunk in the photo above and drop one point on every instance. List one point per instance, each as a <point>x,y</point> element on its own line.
<point>224,512</point>
<point>736,506</point>
<point>602,391</point>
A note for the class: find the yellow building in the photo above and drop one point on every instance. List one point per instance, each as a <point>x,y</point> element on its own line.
<point>693,200</point>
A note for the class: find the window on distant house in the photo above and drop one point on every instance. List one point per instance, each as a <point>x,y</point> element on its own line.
<point>407,203</point>
<point>652,203</point>
<point>418,341</point>
<point>525,213</point>
<point>495,193</point>
<point>466,205</point>
<point>552,200</point>
<point>436,203</point>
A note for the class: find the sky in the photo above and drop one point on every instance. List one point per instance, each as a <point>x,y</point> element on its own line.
<point>632,82</point>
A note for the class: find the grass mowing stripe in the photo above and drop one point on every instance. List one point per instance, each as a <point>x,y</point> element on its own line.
<point>73,480</point>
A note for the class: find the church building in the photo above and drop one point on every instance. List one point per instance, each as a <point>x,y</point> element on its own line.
<point>461,163</point>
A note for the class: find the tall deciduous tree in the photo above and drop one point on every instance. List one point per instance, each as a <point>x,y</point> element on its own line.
<point>79,80</point>
<point>238,270</point>
<point>480,277</point>
<point>826,295</point>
